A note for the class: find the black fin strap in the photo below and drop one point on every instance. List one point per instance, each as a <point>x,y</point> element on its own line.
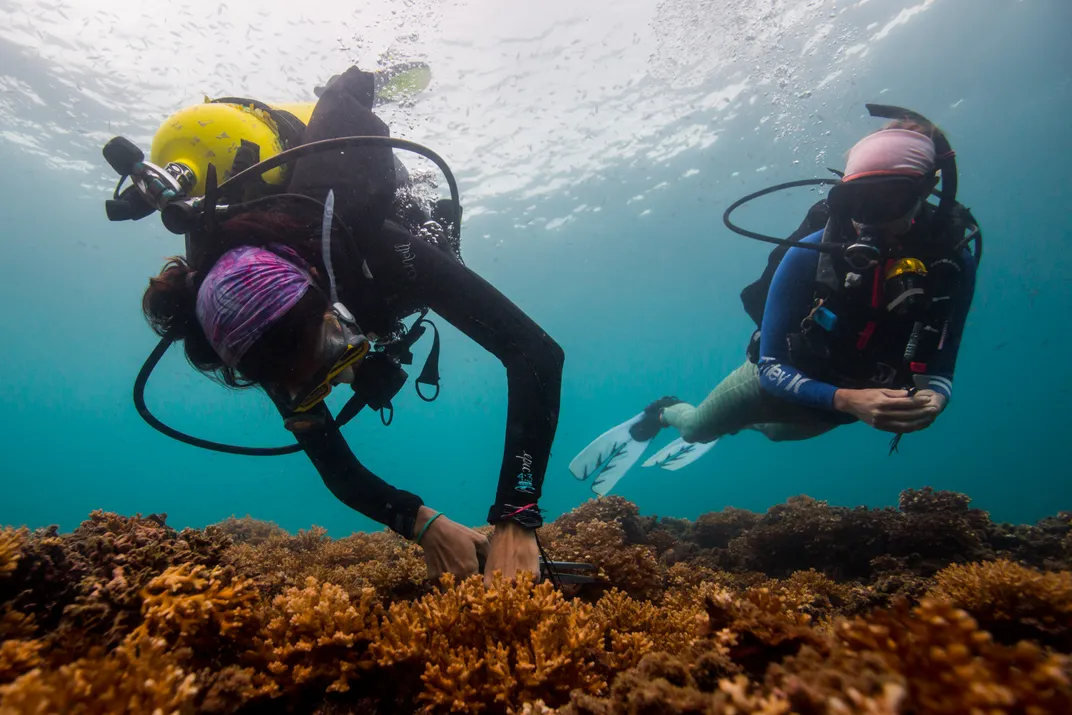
<point>430,373</point>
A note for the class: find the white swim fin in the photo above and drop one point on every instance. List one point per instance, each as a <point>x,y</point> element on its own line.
<point>609,457</point>
<point>678,454</point>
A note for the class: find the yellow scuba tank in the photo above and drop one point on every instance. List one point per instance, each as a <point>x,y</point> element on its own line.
<point>213,132</point>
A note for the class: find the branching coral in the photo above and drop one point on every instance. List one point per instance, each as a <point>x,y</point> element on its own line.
<point>1010,601</point>
<point>635,628</point>
<point>126,614</point>
<point>952,666</point>
<point>632,568</point>
<point>318,637</point>
<point>382,560</point>
<point>17,657</point>
<point>118,557</point>
<point>11,542</point>
<point>488,649</point>
<point>139,676</point>
<point>611,509</point>
<point>205,610</point>
<point>43,580</point>
<point>246,530</point>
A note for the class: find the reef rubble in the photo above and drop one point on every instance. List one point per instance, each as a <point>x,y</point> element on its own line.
<point>807,608</point>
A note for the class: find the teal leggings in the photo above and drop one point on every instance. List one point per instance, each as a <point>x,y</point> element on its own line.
<point>740,402</point>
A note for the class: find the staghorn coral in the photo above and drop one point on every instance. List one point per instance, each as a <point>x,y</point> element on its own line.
<point>635,628</point>
<point>382,560</point>
<point>205,610</point>
<point>318,638</point>
<point>1010,601</point>
<point>486,650</point>
<point>139,676</point>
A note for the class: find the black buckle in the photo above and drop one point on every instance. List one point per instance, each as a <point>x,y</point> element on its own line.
<point>569,572</point>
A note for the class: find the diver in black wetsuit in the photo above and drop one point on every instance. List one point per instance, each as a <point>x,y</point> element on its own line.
<point>266,305</point>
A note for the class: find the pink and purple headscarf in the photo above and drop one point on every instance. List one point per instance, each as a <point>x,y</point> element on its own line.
<point>244,294</point>
<point>891,152</point>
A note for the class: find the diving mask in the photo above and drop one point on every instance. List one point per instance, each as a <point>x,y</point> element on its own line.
<point>342,346</point>
<point>880,208</point>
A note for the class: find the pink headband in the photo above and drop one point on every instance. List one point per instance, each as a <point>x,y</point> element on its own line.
<point>891,152</point>
<point>245,293</point>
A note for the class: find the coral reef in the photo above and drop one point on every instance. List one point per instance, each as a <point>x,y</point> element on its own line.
<point>925,608</point>
<point>246,530</point>
<point>1011,601</point>
<point>382,560</point>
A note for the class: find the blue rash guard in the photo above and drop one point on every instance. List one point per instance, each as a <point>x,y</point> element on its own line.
<point>790,299</point>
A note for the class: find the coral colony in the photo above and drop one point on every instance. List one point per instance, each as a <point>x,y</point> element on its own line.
<point>808,608</point>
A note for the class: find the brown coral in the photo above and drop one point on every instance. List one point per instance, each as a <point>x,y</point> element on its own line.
<point>382,560</point>
<point>632,568</point>
<point>17,657</point>
<point>1010,601</point>
<point>246,530</point>
<point>191,606</point>
<point>118,557</point>
<point>952,666</point>
<point>318,637</point>
<point>139,676</point>
<point>490,649</point>
<point>11,542</point>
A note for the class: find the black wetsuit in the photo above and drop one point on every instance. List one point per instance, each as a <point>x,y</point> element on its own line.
<point>409,274</point>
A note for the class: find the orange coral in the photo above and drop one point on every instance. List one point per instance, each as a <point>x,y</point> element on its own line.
<point>17,657</point>
<point>195,607</point>
<point>11,542</point>
<point>635,628</point>
<point>318,636</point>
<point>497,647</point>
<point>1011,601</point>
<point>952,666</point>
<point>139,676</point>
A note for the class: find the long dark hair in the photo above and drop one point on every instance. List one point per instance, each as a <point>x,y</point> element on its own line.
<point>169,303</point>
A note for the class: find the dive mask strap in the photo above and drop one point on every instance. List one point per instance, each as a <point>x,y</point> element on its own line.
<point>430,373</point>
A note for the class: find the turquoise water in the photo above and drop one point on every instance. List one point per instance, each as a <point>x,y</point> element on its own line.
<point>686,106</point>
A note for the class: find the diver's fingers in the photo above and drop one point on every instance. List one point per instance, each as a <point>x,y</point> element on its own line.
<point>903,426</point>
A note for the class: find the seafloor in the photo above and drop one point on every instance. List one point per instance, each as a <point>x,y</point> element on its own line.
<point>808,608</point>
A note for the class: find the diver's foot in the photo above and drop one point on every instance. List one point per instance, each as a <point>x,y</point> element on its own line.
<point>649,425</point>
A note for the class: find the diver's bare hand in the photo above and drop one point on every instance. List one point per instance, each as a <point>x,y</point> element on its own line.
<point>450,547</point>
<point>513,549</point>
<point>890,410</point>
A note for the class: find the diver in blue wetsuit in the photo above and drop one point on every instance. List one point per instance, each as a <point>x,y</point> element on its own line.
<point>859,314</point>
<point>876,341</point>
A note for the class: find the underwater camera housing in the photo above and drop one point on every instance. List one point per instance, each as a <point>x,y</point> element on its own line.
<point>166,189</point>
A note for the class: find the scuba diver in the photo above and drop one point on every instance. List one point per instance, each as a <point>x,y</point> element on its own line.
<point>299,271</point>
<point>859,313</point>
